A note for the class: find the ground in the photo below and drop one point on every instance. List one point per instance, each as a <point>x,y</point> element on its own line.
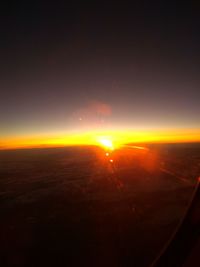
<point>78,206</point>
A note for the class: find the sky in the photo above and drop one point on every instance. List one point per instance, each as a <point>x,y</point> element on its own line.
<point>71,69</point>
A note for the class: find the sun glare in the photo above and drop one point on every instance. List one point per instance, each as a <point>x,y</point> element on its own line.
<point>106,143</point>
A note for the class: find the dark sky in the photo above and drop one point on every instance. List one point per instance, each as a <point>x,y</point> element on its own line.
<point>68,67</point>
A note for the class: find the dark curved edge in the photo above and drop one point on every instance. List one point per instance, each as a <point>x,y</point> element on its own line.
<point>185,237</point>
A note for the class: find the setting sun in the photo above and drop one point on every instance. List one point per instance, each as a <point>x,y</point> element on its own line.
<point>106,143</point>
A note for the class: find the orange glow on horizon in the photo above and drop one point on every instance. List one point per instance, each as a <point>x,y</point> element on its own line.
<point>107,139</point>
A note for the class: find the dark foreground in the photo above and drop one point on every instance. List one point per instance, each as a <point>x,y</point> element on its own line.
<point>75,207</point>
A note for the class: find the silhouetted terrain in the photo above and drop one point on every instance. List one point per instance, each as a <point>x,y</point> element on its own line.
<point>76,206</point>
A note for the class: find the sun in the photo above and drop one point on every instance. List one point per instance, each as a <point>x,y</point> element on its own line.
<point>106,143</point>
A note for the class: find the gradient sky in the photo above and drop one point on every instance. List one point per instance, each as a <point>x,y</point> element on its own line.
<point>69,68</point>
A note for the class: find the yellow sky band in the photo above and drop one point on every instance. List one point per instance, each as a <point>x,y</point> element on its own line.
<point>92,138</point>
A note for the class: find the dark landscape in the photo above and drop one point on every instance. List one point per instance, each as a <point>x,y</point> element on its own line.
<point>77,206</point>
